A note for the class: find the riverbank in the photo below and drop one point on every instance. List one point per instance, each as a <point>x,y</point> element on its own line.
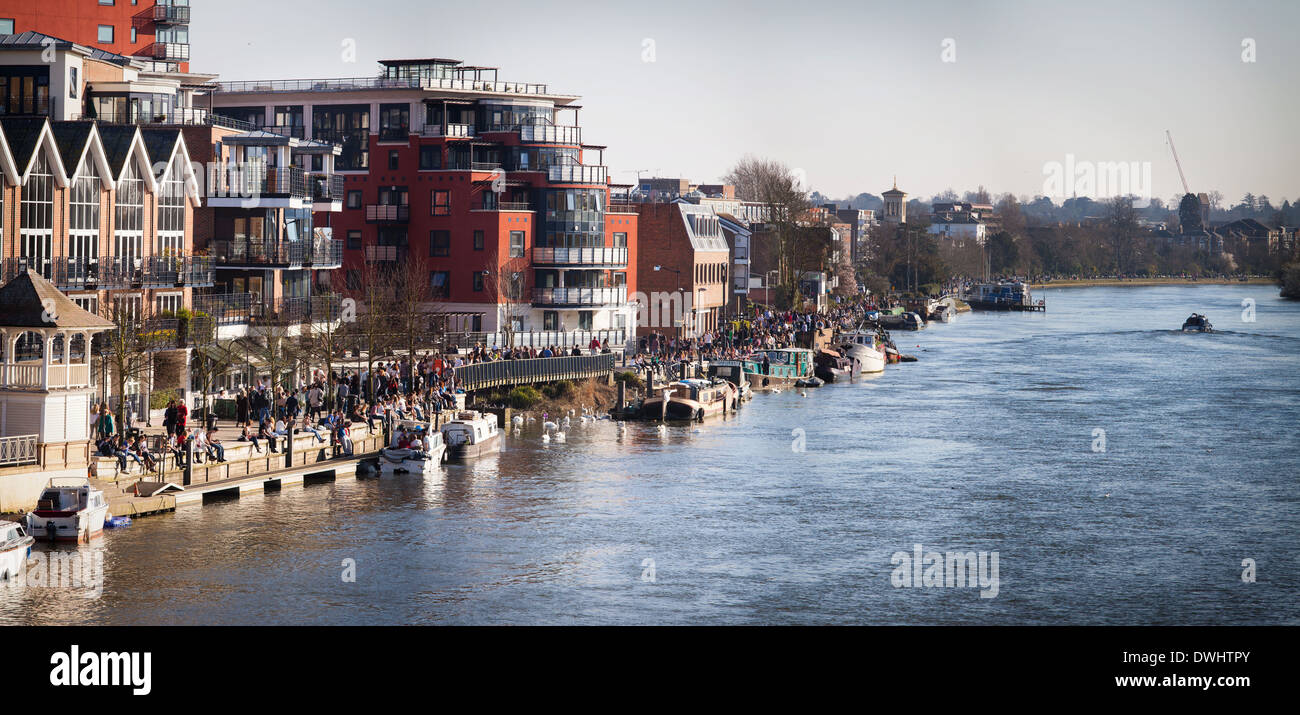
<point>1148,282</point>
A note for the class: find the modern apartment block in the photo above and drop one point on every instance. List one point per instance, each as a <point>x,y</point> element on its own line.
<point>487,183</point>
<point>153,30</point>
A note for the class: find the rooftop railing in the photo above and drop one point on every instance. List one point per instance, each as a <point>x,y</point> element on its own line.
<point>178,115</point>
<point>352,84</point>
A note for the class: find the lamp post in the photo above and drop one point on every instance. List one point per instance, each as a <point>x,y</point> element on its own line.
<point>767,288</point>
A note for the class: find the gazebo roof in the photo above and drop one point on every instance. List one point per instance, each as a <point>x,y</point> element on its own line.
<point>23,305</point>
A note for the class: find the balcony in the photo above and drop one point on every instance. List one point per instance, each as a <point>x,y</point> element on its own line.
<point>258,253</point>
<point>174,51</point>
<point>292,311</point>
<point>388,213</point>
<point>325,253</point>
<point>187,116</point>
<point>229,308</point>
<point>596,256</point>
<point>576,174</point>
<point>169,271</point>
<point>109,272</point>
<point>352,84</point>
<point>453,131</point>
<point>614,207</point>
<point>247,181</point>
<point>326,187</point>
<point>385,254</point>
<point>171,14</point>
<point>297,131</point>
<point>579,297</point>
<point>549,134</point>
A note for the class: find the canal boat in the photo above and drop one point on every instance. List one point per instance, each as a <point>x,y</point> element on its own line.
<point>396,459</point>
<point>906,321</point>
<point>865,347</point>
<point>470,434</point>
<point>784,367</point>
<point>68,512</point>
<point>693,399</point>
<point>832,366</point>
<point>1002,295</point>
<point>733,371</point>
<point>1197,323</point>
<point>15,548</point>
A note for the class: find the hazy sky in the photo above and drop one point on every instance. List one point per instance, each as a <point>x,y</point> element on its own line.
<point>850,92</point>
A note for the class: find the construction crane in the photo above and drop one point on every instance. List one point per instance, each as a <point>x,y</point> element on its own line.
<point>1177,163</point>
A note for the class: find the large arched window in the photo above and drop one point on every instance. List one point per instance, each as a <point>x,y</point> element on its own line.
<point>36,232</point>
<point>171,211</point>
<point>128,219</point>
<point>83,220</point>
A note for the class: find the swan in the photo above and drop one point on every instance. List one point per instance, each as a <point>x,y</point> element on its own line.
<point>546,438</point>
<point>559,436</point>
<point>550,426</point>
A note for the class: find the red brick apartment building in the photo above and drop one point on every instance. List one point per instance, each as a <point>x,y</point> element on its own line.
<point>142,29</point>
<point>483,180</point>
<point>682,252</point>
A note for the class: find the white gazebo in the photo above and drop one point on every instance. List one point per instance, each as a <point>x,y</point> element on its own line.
<point>46,379</point>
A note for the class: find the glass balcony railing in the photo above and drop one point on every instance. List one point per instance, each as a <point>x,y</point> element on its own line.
<point>255,180</point>
<point>171,14</point>
<point>176,51</point>
<point>326,187</point>
<point>549,134</point>
<point>576,174</point>
<point>594,256</point>
<point>258,252</point>
<point>574,296</point>
<point>388,213</point>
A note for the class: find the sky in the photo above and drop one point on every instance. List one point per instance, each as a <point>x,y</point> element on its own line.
<point>850,93</point>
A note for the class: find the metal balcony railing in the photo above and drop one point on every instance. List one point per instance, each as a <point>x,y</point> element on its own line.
<point>352,84</point>
<point>297,131</point>
<point>229,308</point>
<point>171,51</point>
<point>326,187</point>
<point>618,207</point>
<point>499,373</point>
<point>188,116</point>
<point>232,252</point>
<point>172,14</point>
<point>613,295</point>
<point>325,253</point>
<point>252,180</point>
<point>166,271</point>
<point>595,256</point>
<point>388,213</point>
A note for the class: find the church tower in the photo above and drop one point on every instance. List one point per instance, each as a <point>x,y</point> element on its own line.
<point>895,204</point>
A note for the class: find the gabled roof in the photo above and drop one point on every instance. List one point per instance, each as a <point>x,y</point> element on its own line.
<point>32,40</point>
<point>7,165</point>
<point>26,136</point>
<point>26,302</point>
<point>123,143</point>
<point>72,138</point>
<point>168,145</point>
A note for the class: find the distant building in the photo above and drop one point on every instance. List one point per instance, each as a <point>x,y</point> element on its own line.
<point>682,265</point>
<point>895,205</point>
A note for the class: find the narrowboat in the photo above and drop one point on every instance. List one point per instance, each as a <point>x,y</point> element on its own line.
<point>692,399</point>
<point>470,434</point>
<point>784,367</point>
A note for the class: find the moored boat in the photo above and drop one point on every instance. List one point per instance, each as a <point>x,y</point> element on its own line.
<point>942,313</point>
<point>864,347</point>
<point>68,512</point>
<point>691,399</point>
<point>470,434</point>
<point>733,371</point>
<point>832,366</point>
<point>15,548</point>
<point>415,448</point>
<point>904,321</point>
<point>783,367</point>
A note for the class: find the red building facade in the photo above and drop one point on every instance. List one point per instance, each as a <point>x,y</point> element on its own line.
<point>145,29</point>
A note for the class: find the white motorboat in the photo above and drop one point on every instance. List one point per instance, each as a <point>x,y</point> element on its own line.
<point>399,458</point>
<point>68,512</point>
<point>864,347</point>
<point>15,548</point>
<point>470,434</point>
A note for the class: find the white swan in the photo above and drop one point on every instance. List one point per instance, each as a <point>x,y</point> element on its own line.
<point>559,436</point>
<point>546,438</point>
<point>550,426</point>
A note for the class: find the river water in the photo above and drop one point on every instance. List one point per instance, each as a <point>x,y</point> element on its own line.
<point>791,511</point>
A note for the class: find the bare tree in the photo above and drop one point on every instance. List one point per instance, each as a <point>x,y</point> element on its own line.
<point>374,296</point>
<point>127,349</point>
<point>506,286</point>
<point>772,184</point>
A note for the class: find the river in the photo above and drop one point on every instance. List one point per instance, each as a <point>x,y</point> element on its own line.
<point>792,511</point>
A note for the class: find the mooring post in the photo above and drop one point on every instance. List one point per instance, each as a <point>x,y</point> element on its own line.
<point>622,394</point>
<point>189,462</point>
<point>288,449</point>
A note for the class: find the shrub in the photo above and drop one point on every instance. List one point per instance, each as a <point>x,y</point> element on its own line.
<point>631,378</point>
<point>524,397</point>
<point>563,388</point>
<point>159,399</point>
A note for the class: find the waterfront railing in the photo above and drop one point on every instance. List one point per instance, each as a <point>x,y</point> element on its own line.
<point>505,373</point>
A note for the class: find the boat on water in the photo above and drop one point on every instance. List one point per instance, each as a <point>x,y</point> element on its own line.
<point>832,366</point>
<point>692,399</point>
<point>1197,323</point>
<point>470,434</point>
<point>733,371</point>
<point>66,512</point>
<point>942,313</point>
<point>1002,295</point>
<point>783,367</point>
<point>402,456</point>
<point>903,321</point>
<point>866,348</point>
<point>15,549</point>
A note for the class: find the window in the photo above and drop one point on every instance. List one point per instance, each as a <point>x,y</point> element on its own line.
<point>430,158</point>
<point>6,26</point>
<point>550,320</point>
<point>440,243</point>
<point>128,224</point>
<point>133,35</point>
<point>354,199</point>
<point>620,240</point>
<point>353,279</point>
<point>394,122</point>
<point>440,284</point>
<point>72,83</point>
<point>37,209</point>
<point>516,244</point>
<point>106,33</point>
<point>478,281</point>
<point>478,240</point>
<point>88,303</point>
<point>584,320</point>
<point>354,241</point>
<point>169,303</point>
<point>441,202</point>
<point>171,212</point>
<point>394,160</point>
<point>106,2</point>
